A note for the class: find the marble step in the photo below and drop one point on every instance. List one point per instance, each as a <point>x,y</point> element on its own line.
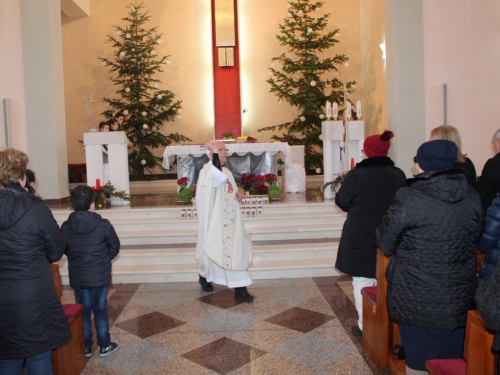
<point>160,273</point>
<point>178,264</point>
<point>173,235</point>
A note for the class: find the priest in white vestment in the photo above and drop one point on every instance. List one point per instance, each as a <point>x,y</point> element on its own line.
<point>223,250</point>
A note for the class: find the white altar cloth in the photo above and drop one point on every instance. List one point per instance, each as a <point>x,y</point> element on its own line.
<point>241,149</point>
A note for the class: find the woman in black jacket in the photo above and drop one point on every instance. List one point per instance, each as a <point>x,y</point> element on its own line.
<point>450,133</point>
<point>32,320</point>
<point>365,195</point>
<point>431,230</point>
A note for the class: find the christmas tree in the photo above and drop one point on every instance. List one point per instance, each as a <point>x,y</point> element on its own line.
<point>306,80</point>
<point>139,95</point>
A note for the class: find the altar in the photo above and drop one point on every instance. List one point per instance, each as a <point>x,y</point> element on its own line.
<point>256,158</point>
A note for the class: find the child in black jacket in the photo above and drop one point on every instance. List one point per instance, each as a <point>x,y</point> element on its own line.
<point>92,244</point>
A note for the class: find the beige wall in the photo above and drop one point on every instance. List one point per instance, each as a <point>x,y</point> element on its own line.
<point>373,66</point>
<point>12,75</point>
<point>462,49</point>
<point>186,28</point>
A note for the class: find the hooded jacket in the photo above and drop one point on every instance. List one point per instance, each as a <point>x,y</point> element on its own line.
<point>431,230</point>
<point>92,244</point>
<point>32,320</point>
<point>365,195</point>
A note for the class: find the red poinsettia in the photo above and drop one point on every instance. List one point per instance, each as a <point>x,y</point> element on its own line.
<point>271,179</point>
<point>182,182</point>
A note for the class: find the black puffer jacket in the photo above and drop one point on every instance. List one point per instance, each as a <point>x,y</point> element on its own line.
<point>32,320</point>
<point>92,243</point>
<point>431,230</point>
<point>365,195</point>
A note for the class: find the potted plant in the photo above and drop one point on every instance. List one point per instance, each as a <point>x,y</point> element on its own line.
<point>185,193</point>
<point>274,193</point>
<point>227,135</point>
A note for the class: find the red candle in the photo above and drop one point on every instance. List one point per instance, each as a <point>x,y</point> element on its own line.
<point>98,184</point>
<point>352,163</point>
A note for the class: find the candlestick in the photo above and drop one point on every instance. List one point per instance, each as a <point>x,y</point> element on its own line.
<point>358,109</point>
<point>335,110</point>
<point>328,109</point>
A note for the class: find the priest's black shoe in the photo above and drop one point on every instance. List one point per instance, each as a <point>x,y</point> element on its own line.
<point>356,331</point>
<point>242,293</point>
<point>205,285</point>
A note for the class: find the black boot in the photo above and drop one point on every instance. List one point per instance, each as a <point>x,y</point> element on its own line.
<point>242,293</point>
<point>205,285</point>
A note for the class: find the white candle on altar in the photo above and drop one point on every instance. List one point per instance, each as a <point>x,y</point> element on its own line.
<point>335,110</point>
<point>358,109</point>
<point>349,110</point>
<point>328,109</point>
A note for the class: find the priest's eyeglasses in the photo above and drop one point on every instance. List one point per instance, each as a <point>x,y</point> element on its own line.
<point>222,150</point>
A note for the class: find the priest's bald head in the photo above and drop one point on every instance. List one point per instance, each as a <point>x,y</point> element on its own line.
<point>217,147</point>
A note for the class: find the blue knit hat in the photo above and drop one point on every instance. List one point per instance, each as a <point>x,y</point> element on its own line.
<point>437,155</point>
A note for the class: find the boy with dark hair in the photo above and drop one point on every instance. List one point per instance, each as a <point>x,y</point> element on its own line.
<point>92,244</point>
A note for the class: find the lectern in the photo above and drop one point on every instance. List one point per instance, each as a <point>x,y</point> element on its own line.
<point>340,150</point>
<point>117,160</point>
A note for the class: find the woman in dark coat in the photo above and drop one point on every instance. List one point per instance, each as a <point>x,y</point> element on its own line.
<point>32,320</point>
<point>450,133</point>
<point>431,230</point>
<point>365,195</point>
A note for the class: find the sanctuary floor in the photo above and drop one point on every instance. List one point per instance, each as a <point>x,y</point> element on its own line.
<point>294,326</point>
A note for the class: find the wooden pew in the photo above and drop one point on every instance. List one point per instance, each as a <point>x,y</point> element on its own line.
<point>69,359</point>
<point>380,334</point>
<point>478,358</point>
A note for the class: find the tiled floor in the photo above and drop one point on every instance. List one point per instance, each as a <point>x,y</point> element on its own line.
<point>294,326</point>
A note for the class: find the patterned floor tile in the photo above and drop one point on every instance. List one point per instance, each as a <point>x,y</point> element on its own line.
<point>225,322</point>
<point>191,310</point>
<point>224,355</point>
<point>271,364</point>
<point>266,336</point>
<point>184,338</point>
<point>158,300</point>
<point>149,324</point>
<point>223,299</point>
<point>313,351</point>
<point>293,296</point>
<point>134,358</point>
<point>300,319</point>
<point>177,366</point>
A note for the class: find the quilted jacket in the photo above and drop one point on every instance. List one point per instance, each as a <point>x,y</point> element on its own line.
<point>92,244</point>
<point>431,230</point>
<point>32,319</point>
<point>490,241</point>
<point>365,195</point>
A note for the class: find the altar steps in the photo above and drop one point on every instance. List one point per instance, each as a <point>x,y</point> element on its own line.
<point>295,239</point>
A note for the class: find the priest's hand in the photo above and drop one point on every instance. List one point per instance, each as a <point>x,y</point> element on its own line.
<point>239,196</point>
<point>210,146</point>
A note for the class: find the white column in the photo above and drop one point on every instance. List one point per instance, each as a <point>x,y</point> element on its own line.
<point>44,95</point>
<point>333,134</point>
<point>405,79</point>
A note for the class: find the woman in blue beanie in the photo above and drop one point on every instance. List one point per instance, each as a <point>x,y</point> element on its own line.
<point>430,231</point>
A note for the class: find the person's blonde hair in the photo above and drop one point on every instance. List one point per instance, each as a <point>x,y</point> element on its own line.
<point>13,164</point>
<point>449,133</point>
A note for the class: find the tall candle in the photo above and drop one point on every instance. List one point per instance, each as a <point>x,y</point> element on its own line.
<point>335,110</point>
<point>349,110</point>
<point>328,109</point>
<point>98,184</point>
<point>352,163</point>
<point>358,109</point>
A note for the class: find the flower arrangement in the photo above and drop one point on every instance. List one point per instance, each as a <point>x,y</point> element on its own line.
<point>335,184</point>
<point>259,184</point>
<point>185,193</point>
<point>182,182</point>
<point>108,190</point>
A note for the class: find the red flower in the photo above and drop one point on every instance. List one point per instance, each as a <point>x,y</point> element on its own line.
<point>182,182</point>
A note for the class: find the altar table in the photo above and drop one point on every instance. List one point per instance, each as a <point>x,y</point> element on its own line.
<point>256,158</point>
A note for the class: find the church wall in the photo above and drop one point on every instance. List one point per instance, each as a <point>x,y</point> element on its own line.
<point>12,75</point>
<point>373,66</point>
<point>462,50</point>
<point>186,28</point>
